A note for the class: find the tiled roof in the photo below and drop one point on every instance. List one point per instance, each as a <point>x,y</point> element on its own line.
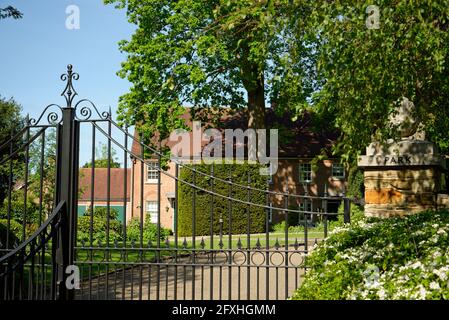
<point>117,183</point>
<point>297,139</point>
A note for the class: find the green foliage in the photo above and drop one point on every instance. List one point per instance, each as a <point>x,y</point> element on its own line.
<point>15,232</point>
<point>102,158</point>
<point>364,72</point>
<point>203,200</point>
<point>99,225</point>
<point>355,183</point>
<point>11,123</point>
<point>19,212</point>
<point>210,53</point>
<point>149,231</point>
<point>395,258</point>
<point>10,11</point>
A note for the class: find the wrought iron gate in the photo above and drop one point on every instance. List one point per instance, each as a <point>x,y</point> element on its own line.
<point>51,223</point>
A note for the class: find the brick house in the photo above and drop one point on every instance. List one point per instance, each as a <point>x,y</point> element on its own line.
<point>119,198</point>
<point>295,172</point>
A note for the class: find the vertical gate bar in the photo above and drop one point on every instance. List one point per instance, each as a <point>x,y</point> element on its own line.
<point>98,281</point>
<point>248,239</point>
<point>306,231</point>
<point>142,165</point>
<point>8,218</point>
<point>193,229</point>
<point>325,210</point>
<point>125,201</point>
<point>108,206</point>
<point>167,268</point>
<point>149,281</point>
<point>211,270</point>
<point>41,174</point>
<point>202,281</point>
<point>114,297</point>
<point>42,267</point>
<point>286,240</point>
<point>277,282</point>
<point>267,243</point>
<point>132,281</point>
<point>41,192</point>
<point>92,206</point>
<point>25,187</point>
<point>347,211</point>
<point>176,231</point>
<point>158,258</point>
<point>258,284</point>
<point>31,279</point>
<point>230,234</point>
<point>184,283</point>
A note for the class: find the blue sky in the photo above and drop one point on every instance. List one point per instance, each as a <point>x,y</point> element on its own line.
<point>37,48</point>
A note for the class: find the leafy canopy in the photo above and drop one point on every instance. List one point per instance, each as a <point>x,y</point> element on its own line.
<point>236,54</point>
<point>366,71</point>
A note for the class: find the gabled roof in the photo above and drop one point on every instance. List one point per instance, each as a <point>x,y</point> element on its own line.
<point>297,139</point>
<point>117,183</point>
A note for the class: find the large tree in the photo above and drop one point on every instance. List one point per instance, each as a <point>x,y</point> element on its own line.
<point>11,123</point>
<point>103,158</point>
<point>237,54</point>
<point>366,68</point>
<point>10,11</point>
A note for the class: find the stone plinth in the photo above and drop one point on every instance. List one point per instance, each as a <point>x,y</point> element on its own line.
<point>401,178</point>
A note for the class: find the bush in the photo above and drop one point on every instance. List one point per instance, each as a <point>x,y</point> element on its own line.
<point>149,231</point>
<point>395,258</point>
<point>17,210</point>
<point>99,225</point>
<point>15,232</point>
<point>221,205</point>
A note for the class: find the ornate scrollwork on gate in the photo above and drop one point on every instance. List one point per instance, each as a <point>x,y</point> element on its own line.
<point>53,117</point>
<point>85,112</point>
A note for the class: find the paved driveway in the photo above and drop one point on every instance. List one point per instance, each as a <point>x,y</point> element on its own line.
<point>218,281</point>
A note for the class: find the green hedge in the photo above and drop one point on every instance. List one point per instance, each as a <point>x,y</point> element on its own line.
<point>239,218</point>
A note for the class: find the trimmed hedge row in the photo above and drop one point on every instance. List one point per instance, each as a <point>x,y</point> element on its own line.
<point>205,203</point>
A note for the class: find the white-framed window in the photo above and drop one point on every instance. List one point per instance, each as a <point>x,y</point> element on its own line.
<point>338,171</point>
<point>305,172</point>
<point>151,210</point>
<point>152,172</point>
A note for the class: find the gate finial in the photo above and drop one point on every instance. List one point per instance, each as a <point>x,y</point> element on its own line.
<point>69,92</point>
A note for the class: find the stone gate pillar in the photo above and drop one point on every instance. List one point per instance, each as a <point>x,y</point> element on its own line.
<point>401,178</point>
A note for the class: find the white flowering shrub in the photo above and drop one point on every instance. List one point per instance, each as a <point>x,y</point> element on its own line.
<point>395,258</point>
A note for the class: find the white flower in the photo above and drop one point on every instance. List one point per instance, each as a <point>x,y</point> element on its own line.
<point>422,292</point>
<point>434,285</point>
<point>381,294</point>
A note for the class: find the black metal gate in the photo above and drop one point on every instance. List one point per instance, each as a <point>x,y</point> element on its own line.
<point>98,232</point>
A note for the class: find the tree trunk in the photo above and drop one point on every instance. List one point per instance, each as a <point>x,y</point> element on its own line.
<point>256,105</point>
